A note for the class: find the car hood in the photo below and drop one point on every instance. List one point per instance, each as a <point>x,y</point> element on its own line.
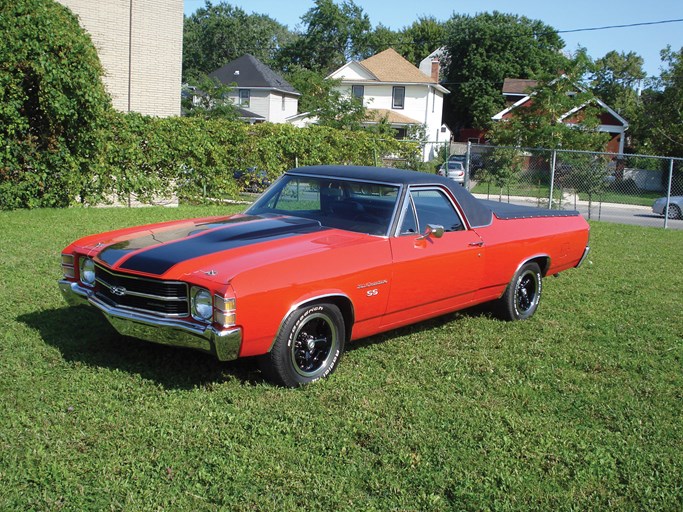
<point>155,250</point>
<point>176,249</point>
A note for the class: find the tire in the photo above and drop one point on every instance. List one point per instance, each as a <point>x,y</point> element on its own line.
<point>308,346</point>
<point>523,294</point>
<point>674,212</point>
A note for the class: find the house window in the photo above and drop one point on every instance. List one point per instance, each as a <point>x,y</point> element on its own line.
<point>358,91</point>
<point>398,97</point>
<point>245,97</point>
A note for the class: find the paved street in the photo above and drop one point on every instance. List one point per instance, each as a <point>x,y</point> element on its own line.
<point>611,212</point>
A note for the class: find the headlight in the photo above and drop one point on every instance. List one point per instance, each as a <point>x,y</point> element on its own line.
<point>202,307</point>
<point>87,267</point>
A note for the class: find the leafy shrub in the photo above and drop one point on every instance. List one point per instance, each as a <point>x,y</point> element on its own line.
<point>197,158</point>
<point>52,105</point>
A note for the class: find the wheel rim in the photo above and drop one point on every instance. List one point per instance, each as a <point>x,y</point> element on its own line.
<point>313,344</point>
<point>673,211</point>
<point>527,292</point>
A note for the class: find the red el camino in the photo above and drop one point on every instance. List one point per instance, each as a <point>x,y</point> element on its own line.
<point>327,255</point>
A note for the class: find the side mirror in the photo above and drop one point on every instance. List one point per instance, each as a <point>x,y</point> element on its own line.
<point>434,230</point>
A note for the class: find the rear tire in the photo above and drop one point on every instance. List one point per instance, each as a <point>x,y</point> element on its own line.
<point>308,346</point>
<point>523,294</point>
<point>674,212</point>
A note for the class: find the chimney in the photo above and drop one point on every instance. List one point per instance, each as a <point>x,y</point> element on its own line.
<point>435,69</point>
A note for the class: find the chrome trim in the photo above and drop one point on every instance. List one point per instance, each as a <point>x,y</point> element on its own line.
<point>111,287</point>
<point>409,197</point>
<point>585,254</point>
<point>307,301</point>
<point>138,278</point>
<point>225,344</point>
<point>394,212</point>
<point>184,299</point>
<point>535,256</point>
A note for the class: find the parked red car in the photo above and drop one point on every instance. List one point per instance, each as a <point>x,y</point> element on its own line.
<point>326,255</point>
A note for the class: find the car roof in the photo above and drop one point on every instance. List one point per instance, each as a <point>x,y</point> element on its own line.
<point>477,214</point>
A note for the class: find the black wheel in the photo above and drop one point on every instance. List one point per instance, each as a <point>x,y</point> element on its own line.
<point>674,212</point>
<point>308,346</point>
<point>522,295</point>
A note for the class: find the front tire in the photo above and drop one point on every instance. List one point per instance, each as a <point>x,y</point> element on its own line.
<point>523,294</point>
<point>308,346</point>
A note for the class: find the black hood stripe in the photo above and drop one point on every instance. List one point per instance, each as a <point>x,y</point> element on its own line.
<point>159,259</point>
<point>118,251</point>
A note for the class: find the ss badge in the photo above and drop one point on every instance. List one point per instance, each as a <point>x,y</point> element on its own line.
<point>372,293</point>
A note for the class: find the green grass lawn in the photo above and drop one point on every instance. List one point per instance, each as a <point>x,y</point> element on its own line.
<point>578,408</point>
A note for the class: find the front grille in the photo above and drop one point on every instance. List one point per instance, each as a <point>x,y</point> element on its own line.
<point>164,298</point>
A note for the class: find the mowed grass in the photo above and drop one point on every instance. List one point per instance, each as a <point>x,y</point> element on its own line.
<point>578,408</point>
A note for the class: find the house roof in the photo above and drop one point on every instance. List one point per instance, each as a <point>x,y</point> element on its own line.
<point>248,71</point>
<point>567,115</point>
<point>247,114</point>
<point>518,86</point>
<point>389,66</point>
<point>375,115</point>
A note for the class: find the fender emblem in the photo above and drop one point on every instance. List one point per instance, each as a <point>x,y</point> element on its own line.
<point>119,291</point>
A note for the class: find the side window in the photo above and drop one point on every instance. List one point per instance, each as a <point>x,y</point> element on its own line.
<point>433,207</point>
<point>409,224</point>
<point>398,96</point>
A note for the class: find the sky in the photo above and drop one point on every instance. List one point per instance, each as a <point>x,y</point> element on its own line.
<point>646,41</point>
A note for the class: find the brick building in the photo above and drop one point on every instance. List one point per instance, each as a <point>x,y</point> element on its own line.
<point>139,43</point>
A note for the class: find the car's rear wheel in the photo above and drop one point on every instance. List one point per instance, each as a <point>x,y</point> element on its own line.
<point>308,346</point>
<point>675,212</point>
<point>523,294</point>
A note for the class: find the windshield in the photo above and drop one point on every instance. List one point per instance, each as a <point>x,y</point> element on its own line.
<point>350,205</point>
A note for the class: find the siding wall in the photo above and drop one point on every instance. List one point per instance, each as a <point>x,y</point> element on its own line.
<point>139,43</point>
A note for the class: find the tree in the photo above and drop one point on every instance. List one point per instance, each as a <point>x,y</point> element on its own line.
<point>615,78</point>
<point>217,34</point>
<point>334,34</point>
<point>542,123</point>
<point>383,38</point>
<point>320,97</point>
<point>209,98</point>
<point>660,128</point>
<point>421,38</point>
<point>487,48</point>
<point>53,105</point>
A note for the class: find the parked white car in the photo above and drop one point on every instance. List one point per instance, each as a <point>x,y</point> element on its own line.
<point>453,170</point>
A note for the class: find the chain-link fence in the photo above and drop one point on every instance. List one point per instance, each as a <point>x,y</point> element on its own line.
<point>634,189</point>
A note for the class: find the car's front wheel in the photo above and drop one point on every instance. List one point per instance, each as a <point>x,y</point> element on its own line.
<point>308,346</point>
<point>523,294</point>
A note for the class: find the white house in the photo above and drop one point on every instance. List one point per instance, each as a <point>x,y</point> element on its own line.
<point>259,92</point>
<point>392,88</point>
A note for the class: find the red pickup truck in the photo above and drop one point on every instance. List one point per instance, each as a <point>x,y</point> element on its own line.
<point>327,255</point>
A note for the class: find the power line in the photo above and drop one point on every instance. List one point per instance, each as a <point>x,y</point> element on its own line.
<point>619,26</point>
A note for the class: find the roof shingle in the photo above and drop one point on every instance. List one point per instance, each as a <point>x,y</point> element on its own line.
<point>389,66</point>
<point>248,71</point>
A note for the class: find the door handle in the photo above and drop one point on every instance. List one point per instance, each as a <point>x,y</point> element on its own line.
<point>477,244</point>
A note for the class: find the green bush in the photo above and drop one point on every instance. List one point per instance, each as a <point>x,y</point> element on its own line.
<point>61,142</point>
<point>52,105</point>
<point>196,158</point>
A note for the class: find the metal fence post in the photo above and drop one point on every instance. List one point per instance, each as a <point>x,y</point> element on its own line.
<point>467,165</point>
<point>668,193</point>
<point>552,179</point>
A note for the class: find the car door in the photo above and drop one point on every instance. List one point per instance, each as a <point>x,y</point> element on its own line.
<point>432,275</point>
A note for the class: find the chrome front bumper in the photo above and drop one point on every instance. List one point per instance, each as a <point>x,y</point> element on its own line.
<point>224,344</point>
